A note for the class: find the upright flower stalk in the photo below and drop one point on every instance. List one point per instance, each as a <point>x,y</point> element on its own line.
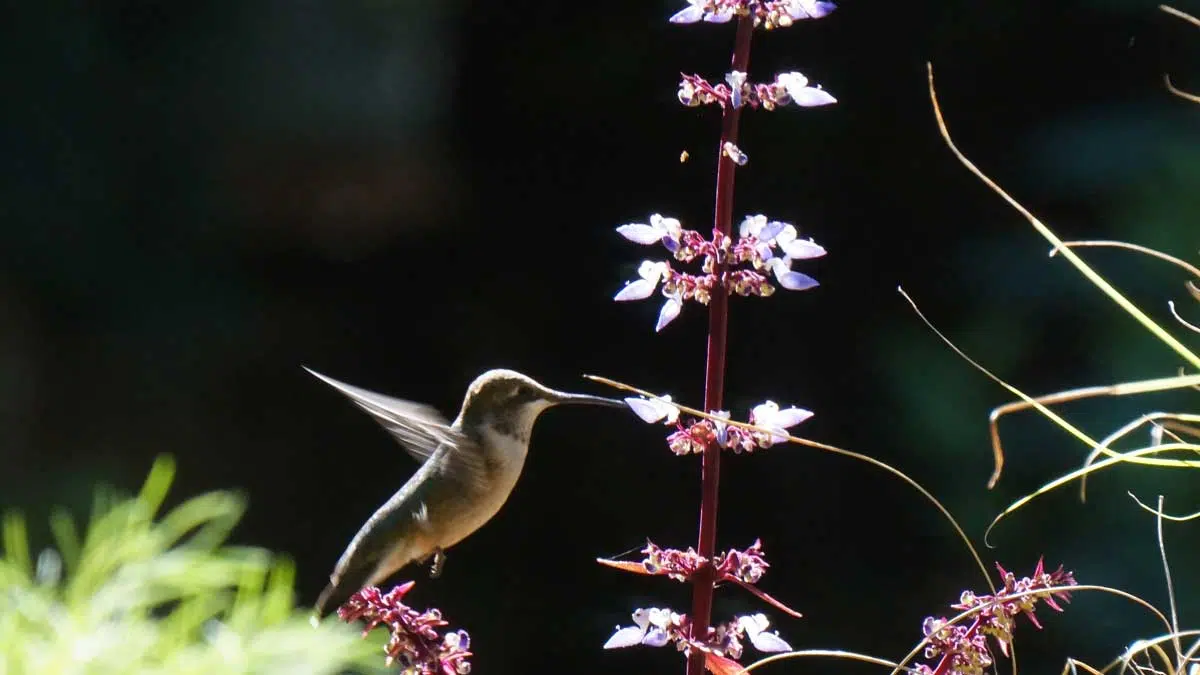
<point>763,249</point>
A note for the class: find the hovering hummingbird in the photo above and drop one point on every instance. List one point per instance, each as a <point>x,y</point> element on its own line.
<point>469,468</point>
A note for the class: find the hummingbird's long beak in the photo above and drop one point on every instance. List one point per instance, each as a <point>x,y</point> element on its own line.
<point>563,398</point>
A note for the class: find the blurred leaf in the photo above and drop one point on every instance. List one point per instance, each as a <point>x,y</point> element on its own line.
<point>141,596</point>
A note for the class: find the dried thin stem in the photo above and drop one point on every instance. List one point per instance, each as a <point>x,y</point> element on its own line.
<point>1190,268</point>
<point>1182,15</point>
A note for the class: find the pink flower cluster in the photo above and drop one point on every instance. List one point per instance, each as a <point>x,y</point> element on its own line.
<point>746,566</point>
<point>415,642</point>
<point>769,14</point>
<point>742,567</point>
<point>787,88</point>
<point>963,650</point>
<point>762,246</point>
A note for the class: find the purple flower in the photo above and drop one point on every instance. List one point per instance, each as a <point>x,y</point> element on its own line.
<point>796,86</point>
<point>652,627</point>
<point>414,643</point>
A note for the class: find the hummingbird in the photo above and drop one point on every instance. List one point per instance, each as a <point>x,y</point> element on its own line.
<point>469,467</point>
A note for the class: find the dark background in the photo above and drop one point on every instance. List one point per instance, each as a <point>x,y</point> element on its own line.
<point>197,198</point>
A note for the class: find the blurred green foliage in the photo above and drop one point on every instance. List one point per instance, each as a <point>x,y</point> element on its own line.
<point>145,594</point>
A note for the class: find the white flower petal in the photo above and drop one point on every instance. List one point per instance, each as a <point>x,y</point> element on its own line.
<point>810,9</point>
<point>763,413</point>
<point>803,249</point>
<point>752,225</point>
<point>809,97</point>
<point>640,233</point>
<point>625,637</point>
<point>670,310</point>
<point>653,410</point>
<point>641,617</point>
<point>690,14</point>
<point>636,290</point>
<point>651,270</point>
<point>786,236</point>
<point>672,416</point>
<point>753,624</point>
<point>791,80</point>
<point>670,227</point>
<point>795,281</point>
<point>768,642</point>
<point>645,409</point>
<point>790,417</point>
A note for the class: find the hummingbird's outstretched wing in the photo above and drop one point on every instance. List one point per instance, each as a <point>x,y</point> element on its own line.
<point>419,428</point>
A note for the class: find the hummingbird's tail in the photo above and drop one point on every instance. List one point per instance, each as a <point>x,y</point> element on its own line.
<point>361,566</point>
<point>337,593</point>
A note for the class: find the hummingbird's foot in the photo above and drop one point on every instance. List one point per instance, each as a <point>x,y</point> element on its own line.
<point>439,561</point>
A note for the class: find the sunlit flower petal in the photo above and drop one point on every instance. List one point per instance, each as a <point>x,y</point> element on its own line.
<point>793,281</point>
<point>660,618</point>
<point>753,624</point>
<point>796,281</point>
<point>690,14</point>
<point>640,233</point>
<point>790,417</point>
<point>803,249</point>
<point>786,235</point>
<point>636,290</point>
<point>669,227</point>
<point>771,230</point>
<point>653,410</point>
<point>809,97</point>
<point>791,80</point>
<point>768,642</point>
<point>651,270</point>
<point>810,9</point>
<point>752,225</point>
<point>670,310</point>
<point>625,637</point>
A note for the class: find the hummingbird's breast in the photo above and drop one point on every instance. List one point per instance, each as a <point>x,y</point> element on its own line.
<point>504,457</point>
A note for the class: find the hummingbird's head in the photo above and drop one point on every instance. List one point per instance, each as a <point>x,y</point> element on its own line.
<point>511,402</point>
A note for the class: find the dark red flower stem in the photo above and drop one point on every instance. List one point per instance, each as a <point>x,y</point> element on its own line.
<point>714,375</point>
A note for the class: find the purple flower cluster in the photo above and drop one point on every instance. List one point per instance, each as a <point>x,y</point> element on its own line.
<point>415,642</point>
<point>699,434</point>
<point>762,246</point>
<point>767,13</point>
<point>787,88</point>
<point>963,650</point>
<point>743,566</point>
